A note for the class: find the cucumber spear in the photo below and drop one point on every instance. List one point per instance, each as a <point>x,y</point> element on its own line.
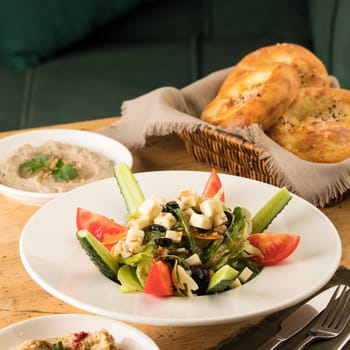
<point>263,218</point>
<point>129,187</point>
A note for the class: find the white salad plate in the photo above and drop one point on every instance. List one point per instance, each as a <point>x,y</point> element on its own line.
<point>126,337</point>
<point>53,257</point>
<point>106,146</point>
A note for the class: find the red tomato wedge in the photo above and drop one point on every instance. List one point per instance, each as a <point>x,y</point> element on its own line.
<point>213,185</point>
<point>100,226</point>
<point>275,247</point>
<point>158,281</point>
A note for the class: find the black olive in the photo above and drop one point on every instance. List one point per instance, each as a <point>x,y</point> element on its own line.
<point>172,205</point>
<point>199,272</point>
<point>170,208</point>
<point>229,218</point>
<point>157,228</point>
<point>201,277</point>
<point>163,241</point>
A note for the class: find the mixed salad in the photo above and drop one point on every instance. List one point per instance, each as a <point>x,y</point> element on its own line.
<point>190,245</point>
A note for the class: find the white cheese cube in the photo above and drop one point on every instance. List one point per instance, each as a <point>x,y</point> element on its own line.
<point>134,247</point>
<point>245,274</point>
<point>121,249</point>
<point>236,283</point>
<point>150,208</point>
<point>117,248</point>
<point>140,222</point>
<point>175,236</point>
<point>161,199</point>
<point>194,259</point>
<point>211,207</point>
<point>188,199</point>
<point>125,248</point>
<point>181,250</point>
<point>134,235</point>
<point>167,220</point>
<point>201,221</point>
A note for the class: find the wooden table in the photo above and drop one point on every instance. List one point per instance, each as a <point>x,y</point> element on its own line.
<point>21,298</point>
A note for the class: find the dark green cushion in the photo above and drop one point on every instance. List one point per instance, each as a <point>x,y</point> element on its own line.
<point>157,20</point>
<point>92,83</point>
<point>12,86</point>
<point>255,19</point>
<point>331,35</point>
<point>240,27</point>
<point>31,31</point>
<point>157,43</point>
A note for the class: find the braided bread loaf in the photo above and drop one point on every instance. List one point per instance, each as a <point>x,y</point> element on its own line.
<point>286,90</point>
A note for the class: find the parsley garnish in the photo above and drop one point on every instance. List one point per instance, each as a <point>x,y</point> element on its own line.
<point>35,164</point>
<point>64,171</point>
<point>42,165</point>
<point>58,346</point>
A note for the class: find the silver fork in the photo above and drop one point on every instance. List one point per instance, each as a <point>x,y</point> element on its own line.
<point>333,319</point>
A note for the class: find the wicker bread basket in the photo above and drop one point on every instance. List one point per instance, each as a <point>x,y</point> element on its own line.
<point>233,155</point>
<point>227,153</point>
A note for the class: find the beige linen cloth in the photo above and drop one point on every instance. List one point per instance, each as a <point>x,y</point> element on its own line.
<point>167,110</point>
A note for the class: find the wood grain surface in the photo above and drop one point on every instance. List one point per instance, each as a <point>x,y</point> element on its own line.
<point>21,298</point>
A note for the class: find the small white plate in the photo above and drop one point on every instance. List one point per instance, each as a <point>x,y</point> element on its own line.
<point>126,337</point>
<point>53,257</point>
<point>106,146</point>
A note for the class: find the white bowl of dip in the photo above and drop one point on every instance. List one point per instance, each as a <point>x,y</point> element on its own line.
<point>84,144</point>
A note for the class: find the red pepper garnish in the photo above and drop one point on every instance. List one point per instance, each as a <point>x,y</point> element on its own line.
<point>78,338</point>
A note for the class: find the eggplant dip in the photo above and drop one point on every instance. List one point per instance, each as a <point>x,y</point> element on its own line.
<point>99,340</point>
<point>53,167</point>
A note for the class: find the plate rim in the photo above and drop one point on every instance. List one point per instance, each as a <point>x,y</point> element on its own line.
<point>75,317</point>
<point>193,321</point>
<point>40,198</point>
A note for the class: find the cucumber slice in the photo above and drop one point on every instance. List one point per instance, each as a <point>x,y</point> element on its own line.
<point>129,187</point>
<point>222,279</point>
<point>263,218</point>
<point>99,254</point>
<point>128,280</point>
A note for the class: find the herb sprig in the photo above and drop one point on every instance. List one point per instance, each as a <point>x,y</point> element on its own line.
<point>35,164</point>
<point>64,171</point>
<point>59,170</point>
<point>58,346</point>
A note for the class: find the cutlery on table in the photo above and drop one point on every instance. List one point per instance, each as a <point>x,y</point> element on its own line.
<point>342,345</point>
<point>299,319</point>
<point>333,320</point>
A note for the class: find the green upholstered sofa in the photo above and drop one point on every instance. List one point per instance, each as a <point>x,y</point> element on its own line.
<point>71,60</point>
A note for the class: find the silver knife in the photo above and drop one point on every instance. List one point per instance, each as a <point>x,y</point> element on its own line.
<point>342,345</point>
<point>299,319</point>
